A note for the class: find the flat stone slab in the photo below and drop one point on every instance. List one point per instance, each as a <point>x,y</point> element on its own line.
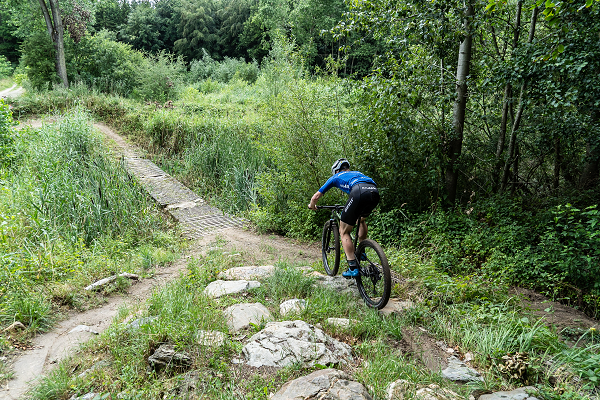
<point>222,288</point>
<point>210,338</point>
<point>339,284</point>
<point>292,306</point>
<point>97,285</point>
<point>459,371</point>
<point>517,394</point>
<point>403,389</point>
<point>136,324</point>
<point>329,384</point>
<point>284,343</point>
<point>240,316</point>
<point>87,396</point>
<point>341,322</point>
<point>247,273</point>
<point>83,328</point>
<point>395,306</point>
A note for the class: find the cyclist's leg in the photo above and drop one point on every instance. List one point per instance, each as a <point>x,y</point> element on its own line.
<point>346,239</point>
<point>362,229</point>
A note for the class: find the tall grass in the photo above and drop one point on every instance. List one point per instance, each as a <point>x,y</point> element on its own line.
<point>69,214</point>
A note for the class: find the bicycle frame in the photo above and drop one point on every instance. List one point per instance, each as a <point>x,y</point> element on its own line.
<point>336,212</point>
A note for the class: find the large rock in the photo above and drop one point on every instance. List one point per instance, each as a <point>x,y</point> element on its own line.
<point>517,394</point>
<point>292,306</point>
<point>240,316</point>
<point>166,357</point>
<point>222,288</point>
<point>247,273</point>
<point>329,384</point>
<point>284,343</point>
<point>458,371</point>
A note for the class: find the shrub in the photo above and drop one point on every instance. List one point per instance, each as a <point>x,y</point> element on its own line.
<point>38,57</point>
<point>224,71</point>
<point>159,77</point>
<point>5,67</point>
<point>7,134</point>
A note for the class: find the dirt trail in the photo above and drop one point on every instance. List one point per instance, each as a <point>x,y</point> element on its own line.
<point>13,91</point>
<point>51,347</point>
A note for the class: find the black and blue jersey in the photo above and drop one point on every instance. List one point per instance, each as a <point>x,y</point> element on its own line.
<point>345,180</point>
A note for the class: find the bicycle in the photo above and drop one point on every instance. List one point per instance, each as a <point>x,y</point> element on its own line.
<point>374,276</point>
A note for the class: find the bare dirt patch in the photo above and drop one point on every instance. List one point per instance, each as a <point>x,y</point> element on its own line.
<point>565,320</point>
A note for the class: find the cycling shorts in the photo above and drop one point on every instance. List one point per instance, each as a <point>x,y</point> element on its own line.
<point>363,199</point>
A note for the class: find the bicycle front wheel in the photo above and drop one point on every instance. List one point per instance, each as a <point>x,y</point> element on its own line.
<point>330,248</point>
<point>374,281</point>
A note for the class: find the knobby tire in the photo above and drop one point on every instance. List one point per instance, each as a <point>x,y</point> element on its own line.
<point>375,281</point>
<point>330,248</point>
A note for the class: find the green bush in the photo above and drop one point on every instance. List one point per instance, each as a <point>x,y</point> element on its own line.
<point>5,67</point>
<point>7,136</point>
<point>159,77</point>
<point>224,71</point>
<point>38,57</point>
<point>105,64</point>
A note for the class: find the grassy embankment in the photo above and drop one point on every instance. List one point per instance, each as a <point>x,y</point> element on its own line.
<point>70,215</point>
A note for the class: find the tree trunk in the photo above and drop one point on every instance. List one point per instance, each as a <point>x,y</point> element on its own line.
<point>506,105</point>
<point>55,29</point>
<point>591,169</point>
<point>517,119</point>
<point>557,163</point>
<point>460,105</point>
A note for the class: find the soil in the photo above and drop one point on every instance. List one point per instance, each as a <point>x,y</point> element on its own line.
<point>564,320</point>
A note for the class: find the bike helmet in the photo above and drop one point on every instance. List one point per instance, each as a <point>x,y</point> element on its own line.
<point>339,164</point>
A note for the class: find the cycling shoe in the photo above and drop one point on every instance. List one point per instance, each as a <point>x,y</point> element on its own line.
<point>351,273</point>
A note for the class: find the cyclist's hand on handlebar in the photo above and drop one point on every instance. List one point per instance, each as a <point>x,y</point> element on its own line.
<point>312,206</point>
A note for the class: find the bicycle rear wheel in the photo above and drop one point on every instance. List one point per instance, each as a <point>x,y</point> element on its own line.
<point>375,281</point>
<point>330,248</point>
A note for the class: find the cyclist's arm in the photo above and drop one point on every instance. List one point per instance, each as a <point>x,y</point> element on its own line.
<point>313,201</point>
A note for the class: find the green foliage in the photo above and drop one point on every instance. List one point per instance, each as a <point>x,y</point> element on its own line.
<point>5,67</point>
<point>7,136</point>
<point>106,65</point>
<point>38,57</point>
<point>158,78</point>
<point>80,192</point>
<point>224,71</point>
<point>69,214</point>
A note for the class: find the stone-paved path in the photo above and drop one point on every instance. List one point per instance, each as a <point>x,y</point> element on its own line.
<point>193,214</point>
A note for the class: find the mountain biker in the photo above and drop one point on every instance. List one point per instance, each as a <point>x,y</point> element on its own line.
<point>363,197</point>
